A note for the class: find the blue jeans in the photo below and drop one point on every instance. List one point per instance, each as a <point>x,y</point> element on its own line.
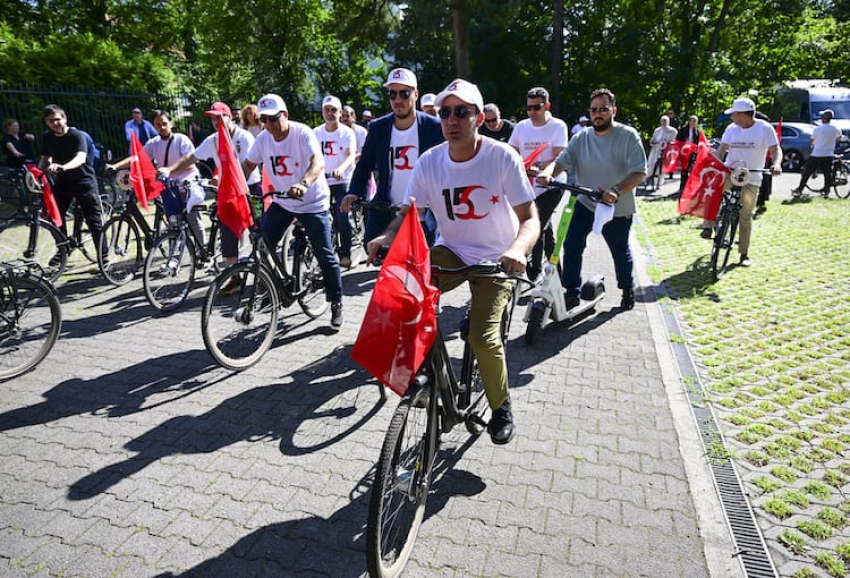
<point>616,235</point>
<point>342,220</point>
<point>318,228</point>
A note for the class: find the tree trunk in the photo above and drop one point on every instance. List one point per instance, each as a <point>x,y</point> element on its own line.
<point>557,56</point>
<point>460,26</point>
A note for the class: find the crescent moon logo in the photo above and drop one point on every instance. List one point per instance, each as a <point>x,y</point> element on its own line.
<point>413,286</point>
<point>402,156</point>
<point>464,200</point>
<point>712,180</point>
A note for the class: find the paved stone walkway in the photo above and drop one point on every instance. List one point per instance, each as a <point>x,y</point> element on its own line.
<point>128,453</point>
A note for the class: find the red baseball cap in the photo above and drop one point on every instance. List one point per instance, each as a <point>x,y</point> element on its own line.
<point>218,109</point>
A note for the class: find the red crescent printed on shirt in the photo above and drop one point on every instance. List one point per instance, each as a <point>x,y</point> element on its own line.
<point>279,166</point>
<point>401,154</point>
<point>465,200</point>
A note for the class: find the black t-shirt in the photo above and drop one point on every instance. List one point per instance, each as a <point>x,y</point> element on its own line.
<point>503,134</point>
<point>23,146</point>
<point>63,149</point>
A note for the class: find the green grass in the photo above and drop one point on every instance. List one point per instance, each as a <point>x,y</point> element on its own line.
<point>773,345</point>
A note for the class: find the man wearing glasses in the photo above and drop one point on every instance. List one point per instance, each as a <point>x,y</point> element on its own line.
<point>609,158</point>
<point>393,145</point>
<point>494,125</point>
<point>483,202</point>
<point>540,128</point>
<point>295,165</point>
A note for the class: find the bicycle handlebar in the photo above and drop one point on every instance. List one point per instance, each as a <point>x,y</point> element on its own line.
<point>282,195</point>
<point>579,190</point>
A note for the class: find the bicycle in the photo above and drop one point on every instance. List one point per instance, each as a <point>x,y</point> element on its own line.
<point>435,402</point>
<point>30,318</point>
<point>170,265</point>
<point>726,225</point>
<point>127,236</point>
<point>13,192</point>
<point>238,326</point>
<point>840,180</point>
<point>27,234</point>
<point>655,178</point>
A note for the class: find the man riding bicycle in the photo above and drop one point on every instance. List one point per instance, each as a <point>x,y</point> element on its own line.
<point>484,205</point>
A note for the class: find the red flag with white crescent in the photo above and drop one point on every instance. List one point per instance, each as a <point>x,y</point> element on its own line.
<point>704,190</point>
<point>400,324</point>
<point>143,173</point>
<point>50,204</point>
<point>233,208</point>
<point>671,157</point>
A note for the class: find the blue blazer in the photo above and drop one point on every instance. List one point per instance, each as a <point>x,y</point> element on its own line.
<point>375,155</point>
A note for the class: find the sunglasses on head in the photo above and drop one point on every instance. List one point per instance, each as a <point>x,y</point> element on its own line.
<point>403,94</point>
<point>264,119</point>
<point>461,112</point>
<point>538,106</point>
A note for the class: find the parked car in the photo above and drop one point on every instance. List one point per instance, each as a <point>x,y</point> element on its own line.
<point>796,144</point>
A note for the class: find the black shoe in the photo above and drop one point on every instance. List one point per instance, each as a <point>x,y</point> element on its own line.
<point>336,315</point>
<point>571,301</point>
<point>706,233</point>
<point>759,211</point>
<point>628,300</point>
<point>501,426</point>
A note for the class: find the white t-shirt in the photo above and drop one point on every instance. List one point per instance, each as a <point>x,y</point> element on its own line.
<point>473,201</point>
<point>404,152</point>
<point>825,136</point>
<point>527,137</point>
<point>287,161</point>
<point>748,147</point>
<point>180,147</point>
<point>242,143</point>
<point>335,146</point>
<point>360,135</point>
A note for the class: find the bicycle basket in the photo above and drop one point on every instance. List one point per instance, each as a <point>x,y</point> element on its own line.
<point>174,197</point>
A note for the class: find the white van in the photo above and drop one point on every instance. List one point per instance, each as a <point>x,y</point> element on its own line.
<point>803,100</point>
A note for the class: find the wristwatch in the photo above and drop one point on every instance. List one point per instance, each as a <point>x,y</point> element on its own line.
<point>616,189</point>
<point>304,184</point>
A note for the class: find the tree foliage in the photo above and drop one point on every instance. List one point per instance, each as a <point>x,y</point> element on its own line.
<point>693,55</point>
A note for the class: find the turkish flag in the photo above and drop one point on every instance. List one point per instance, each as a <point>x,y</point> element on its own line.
<point>671,153</point>
<point>400,324</point>
<point>143,173</point>
<point>233,209</point>
<point>704,190</point>
<point>47,193</point>
<point>529,160</point>
<point>267,187</point>
<point>687,149</point>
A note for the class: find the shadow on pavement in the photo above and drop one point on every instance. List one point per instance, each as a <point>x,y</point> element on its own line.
<point>120,393</point>
<point>316,408</point>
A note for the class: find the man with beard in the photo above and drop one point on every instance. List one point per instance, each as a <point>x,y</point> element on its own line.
<point>609,158</point>
<point>393,145</point>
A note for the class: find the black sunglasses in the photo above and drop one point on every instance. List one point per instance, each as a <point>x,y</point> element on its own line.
<point>275,118</point>
<point>461,112</point>
<point>403,94</point>
<point>538,106</point>
<point>489,120</point>
<point>594,109</point>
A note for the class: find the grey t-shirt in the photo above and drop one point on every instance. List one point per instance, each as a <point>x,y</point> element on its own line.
<point>603,161</point>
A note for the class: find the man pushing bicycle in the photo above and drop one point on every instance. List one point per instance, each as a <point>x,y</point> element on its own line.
<point>484,205</point>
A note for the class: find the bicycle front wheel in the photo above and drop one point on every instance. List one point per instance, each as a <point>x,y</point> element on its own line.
<point>169,271</point>
<point>121,255</point>
<point>402,481</point>
<point>239,319</point>
<point>724,240</point>
<point>311,285</point>
<point>49,250</point>
<point>841,181</point>
<point>29,325</point>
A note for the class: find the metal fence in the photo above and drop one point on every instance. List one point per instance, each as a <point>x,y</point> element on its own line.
<point>102,113</point>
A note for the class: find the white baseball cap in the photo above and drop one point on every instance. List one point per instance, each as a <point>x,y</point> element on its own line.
<point>428,99</point>
<point>367,113</point>
<point>332,101</point>
<point>401,76</point>
<point>828,111</point>
<point>270,105</point>
<point>583,118</point>
<point>741,105</point>
<point>465,91</point>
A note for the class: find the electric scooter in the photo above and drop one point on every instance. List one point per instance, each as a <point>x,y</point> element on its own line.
<point>548,301</point>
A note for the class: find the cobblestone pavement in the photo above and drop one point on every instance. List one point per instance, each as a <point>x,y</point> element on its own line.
<point>128,453</point>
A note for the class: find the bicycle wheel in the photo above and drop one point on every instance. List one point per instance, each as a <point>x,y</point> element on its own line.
<point>30,318</point>
<point>472,397</point>
<point>724,240</point>
<point>121,255</point>
<point>402,481</point>
<point>286,250</point>
<point>50,250</point>
<point>239,326</point>
<point>841,180</point>
<point>169,270</point>
<point>310,283</point>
